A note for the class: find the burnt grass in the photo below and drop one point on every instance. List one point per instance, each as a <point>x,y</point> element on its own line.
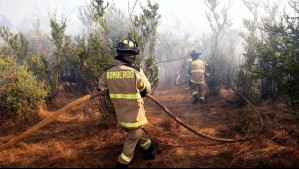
<point>77,139</point>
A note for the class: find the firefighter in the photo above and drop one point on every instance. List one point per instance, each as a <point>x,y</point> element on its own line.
<point>197,70</point>
<point>127,85</point>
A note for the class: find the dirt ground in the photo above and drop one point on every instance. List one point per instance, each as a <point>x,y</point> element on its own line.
<point>78,140</point>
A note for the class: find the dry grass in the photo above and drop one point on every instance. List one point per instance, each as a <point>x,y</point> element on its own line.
<point>78,140</point>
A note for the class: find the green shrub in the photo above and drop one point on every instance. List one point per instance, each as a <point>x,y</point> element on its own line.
<point>20,92</point>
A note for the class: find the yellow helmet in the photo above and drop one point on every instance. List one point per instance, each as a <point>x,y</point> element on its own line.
<point>127,46</point>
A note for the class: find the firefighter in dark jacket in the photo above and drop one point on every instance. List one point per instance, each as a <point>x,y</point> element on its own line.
<point>127,85</point>
<point>197,70</point>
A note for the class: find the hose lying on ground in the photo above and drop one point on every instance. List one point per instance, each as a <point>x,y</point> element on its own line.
<point>51,118</point>
<point>211,137</point>
<point>246,100</point>
<point>105,92</point>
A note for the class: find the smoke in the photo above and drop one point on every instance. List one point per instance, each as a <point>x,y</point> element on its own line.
<point>4,21</point>
<point>22,16</point>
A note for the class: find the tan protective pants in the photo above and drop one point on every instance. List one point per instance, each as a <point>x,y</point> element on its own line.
<point>198,90</point>
<point>134,137</point>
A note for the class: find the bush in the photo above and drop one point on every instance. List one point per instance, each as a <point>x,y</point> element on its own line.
<point>20,92</point>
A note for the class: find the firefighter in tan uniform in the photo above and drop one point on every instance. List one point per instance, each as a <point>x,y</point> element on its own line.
<point>127,85</point>
<point>197,71</point>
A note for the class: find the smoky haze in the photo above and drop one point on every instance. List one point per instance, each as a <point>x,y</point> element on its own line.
<point>20,15</point>
<point>183,26</point>
<point>186,16</point>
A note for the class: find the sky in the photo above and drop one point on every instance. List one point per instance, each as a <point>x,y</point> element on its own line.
<point>182,15</point>
<point>23,13</point>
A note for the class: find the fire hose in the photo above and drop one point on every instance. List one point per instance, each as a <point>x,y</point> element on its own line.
<point>51,118</point>
<point>81,100</point>
<point>211,137</point>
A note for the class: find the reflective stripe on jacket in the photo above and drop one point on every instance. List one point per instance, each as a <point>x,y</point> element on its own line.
<point>125,84</point>
<point>197,69</point>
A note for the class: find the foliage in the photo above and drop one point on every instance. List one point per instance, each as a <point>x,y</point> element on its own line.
<point>94,56</point>
<point>61,52</point>
<point>281,52</point>
<point>51,68</point>
<point>20,92</point>
<point>147,23</point>
<point>219,22</point>
<point>151,70</point>
<point>93,60</point>
<point>87,58</point>
<point>246,82</point>
<point>271,58</point>
<point>18,44</point>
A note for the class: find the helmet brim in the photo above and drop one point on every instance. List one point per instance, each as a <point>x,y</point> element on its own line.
<point>130,52</point>
<point>195,54</point>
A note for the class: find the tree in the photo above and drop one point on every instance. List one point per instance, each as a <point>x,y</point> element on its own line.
<point>219,22</point>
<point>94,56</point>
<point>20,92</point>
<point>258,52</point>
<point>147,23</point>
<point>61,54</point>
<point>246,82</point>
<point>18,44</point>
<point>280,51</point>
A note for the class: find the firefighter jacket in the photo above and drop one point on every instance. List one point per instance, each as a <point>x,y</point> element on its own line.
<point>197,70</point>
<point>125,82</point>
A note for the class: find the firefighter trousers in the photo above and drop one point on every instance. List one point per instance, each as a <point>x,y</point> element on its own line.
<point>198,90</point>
<point>134,137</point>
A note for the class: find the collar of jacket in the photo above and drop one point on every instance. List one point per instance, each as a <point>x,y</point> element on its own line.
<point>122,59</point>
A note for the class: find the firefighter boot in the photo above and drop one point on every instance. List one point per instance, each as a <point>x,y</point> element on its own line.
<point>150,153</point>
<point>196,99</point>
<point>120,165</point>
